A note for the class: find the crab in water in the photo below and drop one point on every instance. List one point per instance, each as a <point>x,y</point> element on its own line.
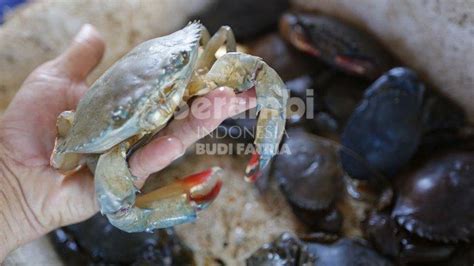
<point>137,96</point>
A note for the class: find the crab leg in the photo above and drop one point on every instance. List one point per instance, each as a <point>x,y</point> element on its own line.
<point>207,59</point>
<point>66,163</point>
<point>173,204</point>
<point>223,35</point>
<point>205,35</point>
<point>242,72</point>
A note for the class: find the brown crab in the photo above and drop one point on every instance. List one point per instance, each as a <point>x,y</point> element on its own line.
<point>437,201</point>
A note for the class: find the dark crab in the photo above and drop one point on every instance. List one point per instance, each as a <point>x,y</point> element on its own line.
<point>433,211</point>
<point>289,250</point>
<point>336,43</point>
<point>310,176</point>
<point>346,252</point>
<point>96,241</point>
<point>385,129</point>
<point>328,96</point>
<point>286,250</point>
<point>392,240</point>
<point>437,201</point>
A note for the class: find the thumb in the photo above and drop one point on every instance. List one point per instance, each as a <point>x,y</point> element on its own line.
<point>84,53</point>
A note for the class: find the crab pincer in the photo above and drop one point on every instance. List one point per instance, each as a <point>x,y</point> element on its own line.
<point>173,204</point>
<point>242,72</point>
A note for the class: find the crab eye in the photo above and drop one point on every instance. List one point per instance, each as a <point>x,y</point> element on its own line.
<point>184,57</point>
<point>119,115</point>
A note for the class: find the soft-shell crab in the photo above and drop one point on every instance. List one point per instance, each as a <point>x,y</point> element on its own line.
<point>137,96</point>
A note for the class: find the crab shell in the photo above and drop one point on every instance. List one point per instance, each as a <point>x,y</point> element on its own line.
<point>285,250</point>
<point>346,251</point>
<point>137,94</point>
<point>437,201</point>
<point>385,128</point>
<point>311,176</point>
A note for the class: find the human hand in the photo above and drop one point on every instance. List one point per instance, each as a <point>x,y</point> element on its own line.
<point>34,197</point>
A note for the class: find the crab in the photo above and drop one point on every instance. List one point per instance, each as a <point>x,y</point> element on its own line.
<point>436,201</point>
<point>137,96</point>
<point>290,250</point>
<point>336,43</point>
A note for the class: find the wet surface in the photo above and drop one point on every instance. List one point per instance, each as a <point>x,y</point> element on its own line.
<point>97,242</point>
<point>436,201</point>
<point>346,252</point>
<point>309,175</point>
<point>286,250</point>
<point>385,129</point>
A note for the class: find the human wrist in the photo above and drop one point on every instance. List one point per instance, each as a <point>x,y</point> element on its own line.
<point>15,223</point>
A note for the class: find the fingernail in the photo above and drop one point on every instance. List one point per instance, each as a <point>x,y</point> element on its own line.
<point>83,32</point>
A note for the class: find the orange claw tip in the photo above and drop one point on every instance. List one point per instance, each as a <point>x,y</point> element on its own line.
<point>252,178</point>
<point>252,172</point>
<point>203,187</point>
<point>291,29</point>
<point>196,179</point>
<point>205,200</point>
<point>354,65</point>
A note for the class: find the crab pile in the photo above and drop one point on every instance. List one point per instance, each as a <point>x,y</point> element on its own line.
<point>377,135</point>
<point>381,164</point>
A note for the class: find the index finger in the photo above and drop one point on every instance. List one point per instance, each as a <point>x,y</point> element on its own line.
<point>173,140</point>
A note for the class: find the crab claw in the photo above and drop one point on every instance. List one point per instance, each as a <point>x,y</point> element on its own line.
<point>242,72</point>
<point>201,189</point>
<point>292,30</point>
<point>355,65</point>
<point>252,171</point>
<point>167,206</point>
<point>336,43</point>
